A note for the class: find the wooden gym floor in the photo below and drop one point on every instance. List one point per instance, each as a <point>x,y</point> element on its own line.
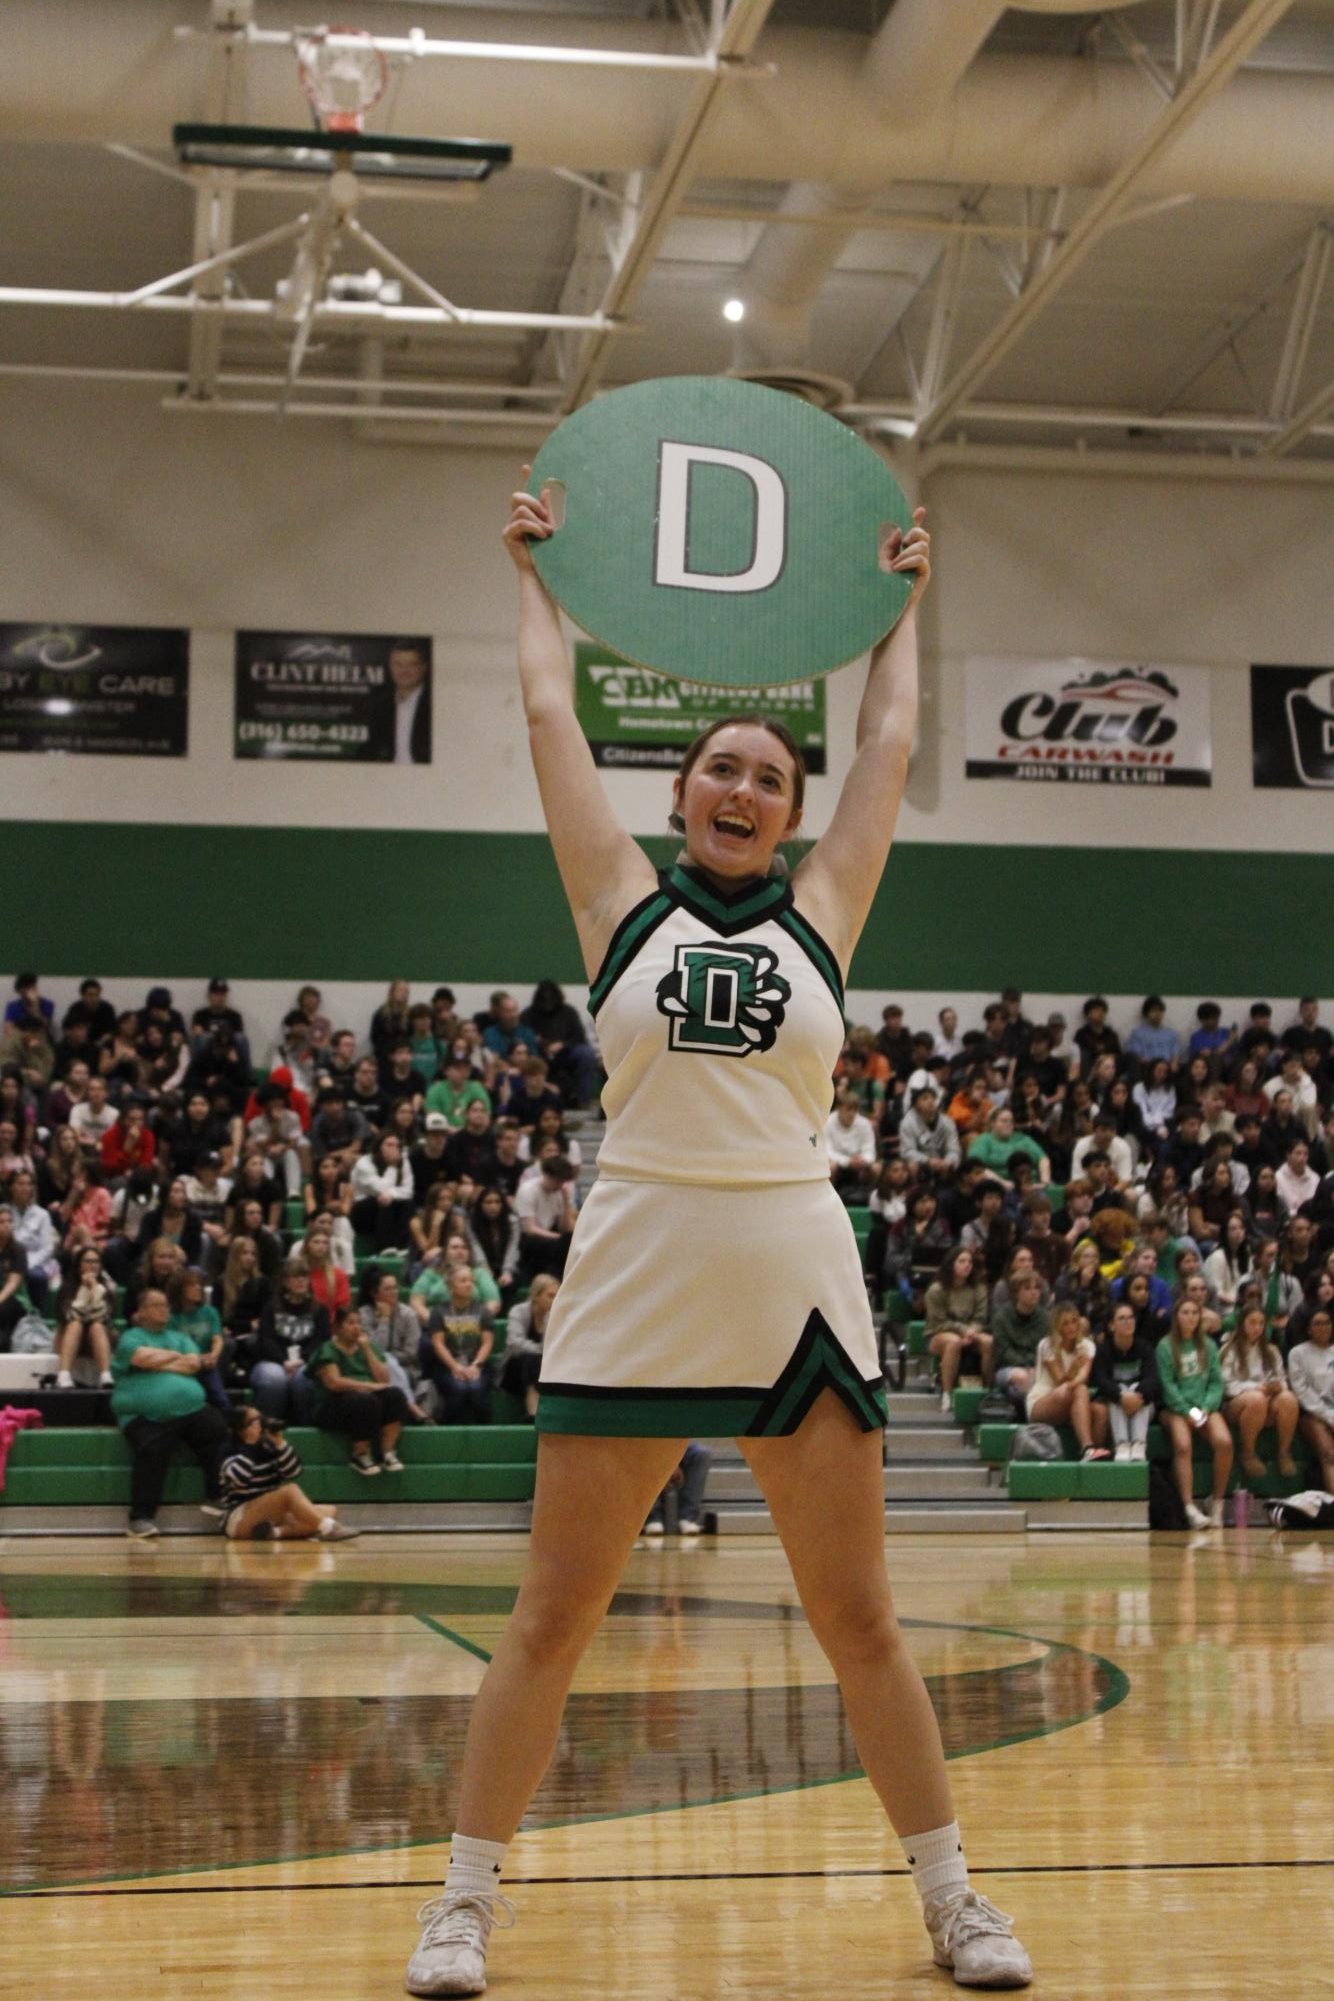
<point>228,1772</point>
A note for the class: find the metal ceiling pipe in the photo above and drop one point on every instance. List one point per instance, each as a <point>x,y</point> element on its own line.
<point>90,73</point>
<point>913,66</point>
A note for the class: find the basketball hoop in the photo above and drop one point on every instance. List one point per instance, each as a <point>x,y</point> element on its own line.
<point>343,79</point>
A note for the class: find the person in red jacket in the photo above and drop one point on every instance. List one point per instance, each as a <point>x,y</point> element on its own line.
<point>129,1144</point>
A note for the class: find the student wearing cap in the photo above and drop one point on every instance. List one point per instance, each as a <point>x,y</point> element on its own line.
<point>217,1012</point>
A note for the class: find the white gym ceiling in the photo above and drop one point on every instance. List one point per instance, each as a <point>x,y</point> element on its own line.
<point>1040,228</point>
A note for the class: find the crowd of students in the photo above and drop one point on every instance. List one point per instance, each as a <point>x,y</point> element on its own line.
<point>190,1224</point>
<point>1109,1233</point>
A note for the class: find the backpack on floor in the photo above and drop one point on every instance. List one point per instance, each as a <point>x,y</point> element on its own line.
<point>1312,1510</point>
<point>1166,1510</point>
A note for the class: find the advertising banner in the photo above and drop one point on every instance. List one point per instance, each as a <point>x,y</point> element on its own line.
<point>1086,721</point>
<point>1292,727</point>
<point>634,717</point>
<point>109,690</point>
<point>359,698</point>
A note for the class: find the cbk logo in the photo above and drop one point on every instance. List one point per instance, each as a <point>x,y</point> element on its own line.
<point>723,1000</point>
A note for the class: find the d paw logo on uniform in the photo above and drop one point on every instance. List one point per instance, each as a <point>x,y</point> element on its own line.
<point>723,1000</point>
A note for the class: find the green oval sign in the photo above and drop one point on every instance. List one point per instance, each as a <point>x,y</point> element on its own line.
<point>720,532</point>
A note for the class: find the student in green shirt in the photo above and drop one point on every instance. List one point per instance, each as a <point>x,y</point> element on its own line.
<point>354,1395</point>
<point>158,1401</point>
<point>456,1090</point>
<point>1192,1380</point>
<point>192,1314</point>
<point>1000,1141</point>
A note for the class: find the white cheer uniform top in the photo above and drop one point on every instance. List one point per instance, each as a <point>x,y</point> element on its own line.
<point>720,1018</point>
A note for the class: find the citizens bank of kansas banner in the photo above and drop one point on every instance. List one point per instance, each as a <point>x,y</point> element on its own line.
<point>1292,727</point>
<point>356,698</point>
<point>634,717</point>
<point>111,690</point>
<point>1088,722</point>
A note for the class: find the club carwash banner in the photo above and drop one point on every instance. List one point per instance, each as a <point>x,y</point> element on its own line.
<point>109,690</point>
<point>1089,722</point>
<point>635,718</point>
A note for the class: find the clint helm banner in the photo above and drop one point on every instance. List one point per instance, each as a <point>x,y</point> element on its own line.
<point>109,690</point>
<point>352,698</point>
<point>1088,722</point>
<point>1292,728</point>
<point>635,718</point>
<point>720,532</point>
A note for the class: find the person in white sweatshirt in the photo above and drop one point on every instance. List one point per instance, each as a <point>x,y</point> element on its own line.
<point>1311,1373</point>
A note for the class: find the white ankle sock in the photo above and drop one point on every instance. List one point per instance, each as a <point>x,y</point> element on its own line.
<point>936,1860</point>
<point>475,1866</point>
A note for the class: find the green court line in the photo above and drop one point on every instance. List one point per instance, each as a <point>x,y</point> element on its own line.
<point>448,1633</point>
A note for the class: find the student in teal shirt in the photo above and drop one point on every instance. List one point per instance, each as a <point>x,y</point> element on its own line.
<point>192,1314</point>
<point>159,1403</point>
<point>1192,1379</point>
<point>456,1090</point>
<point>995,1146</point>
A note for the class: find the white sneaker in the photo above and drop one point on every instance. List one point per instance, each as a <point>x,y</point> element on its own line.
<point>451,1952</point>
<point>64,1381</point>
<point>975,1940</point>
<point>683,1527</point>
<point>654,1528</point>
<point>1137,1450</point>
<point>947,1402</point>
<point>1216,1514</point>
<point>1196,1517</point>
<point>1122,1453</point>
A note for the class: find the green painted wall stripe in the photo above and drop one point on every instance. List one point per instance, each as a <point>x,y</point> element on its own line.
<point>309,903</point>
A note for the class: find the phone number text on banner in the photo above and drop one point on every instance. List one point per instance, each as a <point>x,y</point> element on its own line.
<point>636,719</point>
<point>1087,722</point>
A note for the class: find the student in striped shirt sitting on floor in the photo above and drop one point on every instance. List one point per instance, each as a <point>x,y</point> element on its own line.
<point>260,1490</point>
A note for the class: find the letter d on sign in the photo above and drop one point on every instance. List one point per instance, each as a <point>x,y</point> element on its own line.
<point>671,563</point>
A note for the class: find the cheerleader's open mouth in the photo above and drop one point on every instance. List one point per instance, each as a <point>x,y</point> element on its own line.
<point>733,828</point>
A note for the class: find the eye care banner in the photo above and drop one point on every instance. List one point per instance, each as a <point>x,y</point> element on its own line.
<point>105,690</point>
<point>359,698</point>
<point>1089,722</point>
<point>635,718</point>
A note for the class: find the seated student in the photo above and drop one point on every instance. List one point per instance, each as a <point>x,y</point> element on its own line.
<point>451,1094</point>
<point>997,1146</point>
<point>35,1235</point>
<point>84,1313</point>
<point>292,1325</point>
<point>928,1138</point>
<point>1017,1330</point>
<point>506,1167</point>
<point>208,1192</point>
<point>1106,1141</point>
<point>893,1188</point>
<point>1155,1097</point>
<point>399,1077</point>
<point>546,1213</point>
<point>395,1330</point>
<point>1211,1204</point>
<point>1136,1291</point>
<point>1256,1393</point>
<point>158,1260</point>
<point>521,1364</point>
<point>908,1255</point>
<point>339,1062</point>
<point>294,1054</point>
<point>240,1297</point>
<point>192,1314</point>
<point>688,1482</point>
<point>366,1095</point>
<point>128,1144</point>
<point>261,1492</point>
<point>355,1397</point>
<point>254,1182</point>
<point>563,1040</point>
<point>550,1127</point>
<point>330,1276</point>
<point>247,1221</point>
<point>529,1094</point>
<point>175,1221</point>
<point>455,1352</point>
<point>471,1151</point>
<point>382,1192</point>
<point>277,1131</point>
<point>1060,1389</point>
<point>1125,1381</point>
<point>1311,1374</point>
<point>338,1131</point>
<point>493,1229</point>
<point>1020,1261</point>
<point>429,1229</point>
<point>1192,1384</point>
<point>426,1054</point>
<point>956,1320</point>
<point>1228,1265</point>
<point>88,1209</point>
<point>159,1402</point>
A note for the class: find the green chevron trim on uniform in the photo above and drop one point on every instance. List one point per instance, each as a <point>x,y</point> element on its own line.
<point>818,1362</point>
<point>648,1414</point>
<point>735,912</point>
<point>626,940</point>
<point>813,945</point>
